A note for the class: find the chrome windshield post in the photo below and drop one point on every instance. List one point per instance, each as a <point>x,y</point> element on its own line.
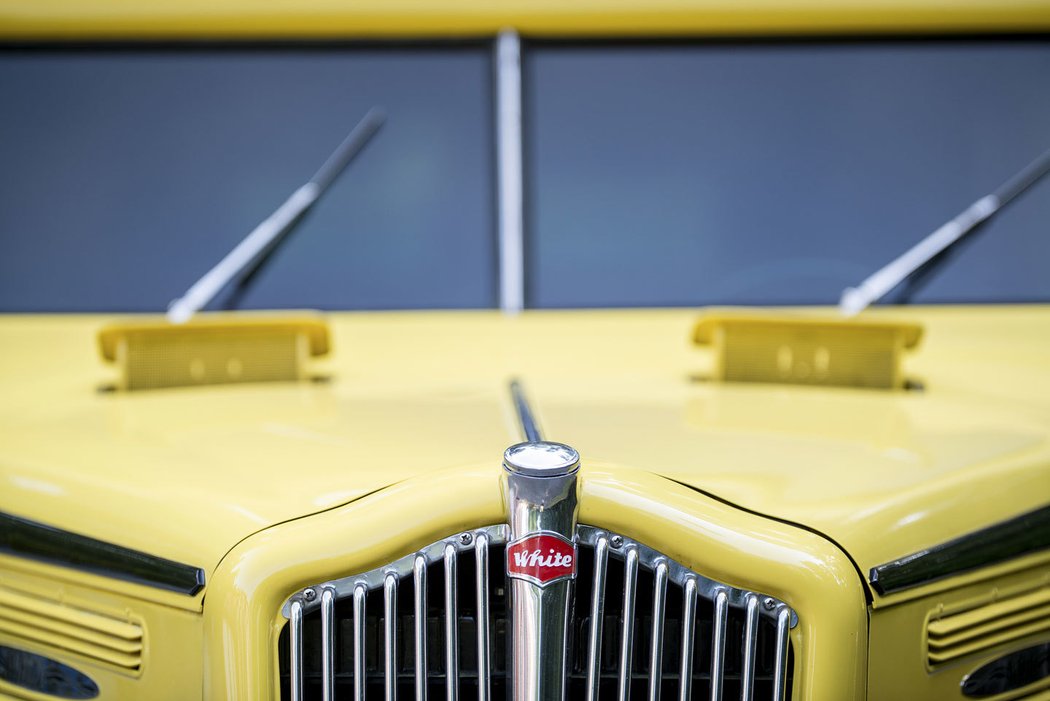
<point>541,495</point>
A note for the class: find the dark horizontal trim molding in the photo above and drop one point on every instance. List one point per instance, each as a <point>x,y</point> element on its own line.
<point>1004,541</point>
<point>37,541</point>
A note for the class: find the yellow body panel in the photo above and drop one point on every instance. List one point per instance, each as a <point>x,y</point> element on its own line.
<point>242,610</point>
<point>187,473</point>
<point>65,19</point>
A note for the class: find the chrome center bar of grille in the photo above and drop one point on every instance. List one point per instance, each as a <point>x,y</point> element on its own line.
<point>380,650</point>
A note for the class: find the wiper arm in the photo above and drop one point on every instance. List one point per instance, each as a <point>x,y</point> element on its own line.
<point>932,250</point>
<point>255,249</point>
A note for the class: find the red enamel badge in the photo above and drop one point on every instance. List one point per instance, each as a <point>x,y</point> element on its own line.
<point>542,558</point>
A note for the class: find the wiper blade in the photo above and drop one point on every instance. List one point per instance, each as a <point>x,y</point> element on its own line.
<point>255,249</point>
<point>932,250</point>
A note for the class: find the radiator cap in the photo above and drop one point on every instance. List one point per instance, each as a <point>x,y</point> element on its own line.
<point>541,459</point>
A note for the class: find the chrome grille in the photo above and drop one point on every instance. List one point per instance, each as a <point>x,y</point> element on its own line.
<point>433,624</point>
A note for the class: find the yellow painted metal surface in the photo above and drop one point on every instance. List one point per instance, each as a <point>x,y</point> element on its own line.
<point>79,19</point>
<point>899,664</point>
<point>242,609</point>
<point>170,643</point>
<point>188,473</point>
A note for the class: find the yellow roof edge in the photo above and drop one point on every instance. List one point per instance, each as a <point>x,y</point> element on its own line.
<point>703,331</point>
<point>370,19</point>
<point>311,323</point>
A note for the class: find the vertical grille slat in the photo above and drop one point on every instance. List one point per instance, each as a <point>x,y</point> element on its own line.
<point>481,560</point>
<point>419,581</point>
<point>656,639</point>
<point>630,587</point>
<point>780,664</point>
<point>718,644</point>
<point>359,642</point>
<point>747,679</point>
<point>451,626</point>
<point>434,624</point>
<point>685,671</point>
<point>327,644</point>
<point>390,634</point>
<point>296,650</point>
<point>594,637</point>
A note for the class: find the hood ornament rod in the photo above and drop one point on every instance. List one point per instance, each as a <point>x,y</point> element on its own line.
<point>256,247</point>
<point>529,427</point>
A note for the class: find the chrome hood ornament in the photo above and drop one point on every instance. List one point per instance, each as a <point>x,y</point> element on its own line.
<point>540,489</point>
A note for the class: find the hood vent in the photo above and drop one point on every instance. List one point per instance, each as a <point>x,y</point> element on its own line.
<point>796,349</point>
<point>58,626</point>
<point>214,349</point>
<point>990,625</point>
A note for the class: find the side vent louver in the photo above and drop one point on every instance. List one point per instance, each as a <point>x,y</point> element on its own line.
<point>977,629</point>
<point>56,625</point>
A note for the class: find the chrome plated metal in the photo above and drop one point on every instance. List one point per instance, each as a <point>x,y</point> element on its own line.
<point>656,644</point>
<point>481,559</point>
<point>780,662</point>
<point>530,429</point>
<point>419,580</point>
<point>359,642</point>
<point>685,667</point>
<point>630,590</point>
<point>327,644</point>
<point>540,491</point>
<point>509,173</point>
<point>594,637</point>
<point>747,674</point>
<point>390,635</point>
<point>295,658</point>
<point>718,643</point>
<point>451,626</point>
<point>313,599</point>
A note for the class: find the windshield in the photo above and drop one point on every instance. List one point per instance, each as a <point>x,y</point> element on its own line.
<point>654,174</point>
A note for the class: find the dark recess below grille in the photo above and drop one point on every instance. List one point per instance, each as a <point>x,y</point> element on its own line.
<point>576,683</point>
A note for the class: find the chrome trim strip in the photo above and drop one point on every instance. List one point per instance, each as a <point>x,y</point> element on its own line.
<point>390,635</point>
<point>685,669</point>
<point>37,541</point>
<point>451,625</point>
<point>594,644</point>
<point>509,173</point>
<point>327,644</point>
<point>747,674</point>
<point>718,643</point>
<point>419,579</point>
<point>656,642</point>
<point>1023,535</point>
<point>481,559</point>
<point>530,429</point>
<point>359,642</point>
<point>780,662</point>
<point>295,656</point>
<point>630,587</point>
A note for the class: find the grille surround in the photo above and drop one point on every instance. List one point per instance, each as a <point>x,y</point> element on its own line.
<point>378,645</point>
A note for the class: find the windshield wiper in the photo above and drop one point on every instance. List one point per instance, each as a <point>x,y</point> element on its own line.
<point>247,258</point>
<point>918,262</point>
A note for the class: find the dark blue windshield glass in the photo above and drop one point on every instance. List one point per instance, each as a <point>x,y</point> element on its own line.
<point>741,173</point>
<point>126,174</point>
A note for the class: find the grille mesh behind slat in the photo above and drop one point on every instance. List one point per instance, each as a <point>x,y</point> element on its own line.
<point>658,603</point>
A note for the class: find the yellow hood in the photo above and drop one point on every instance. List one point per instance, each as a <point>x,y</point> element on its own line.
<point>187,473</point>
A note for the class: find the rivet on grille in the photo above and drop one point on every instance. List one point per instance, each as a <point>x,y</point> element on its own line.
<point>769,604</point>
<point>309,594</point>
<point>465,538</point>
<point>616,541</point>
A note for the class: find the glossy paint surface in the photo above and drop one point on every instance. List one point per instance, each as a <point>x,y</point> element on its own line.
<point>333,18</point>
<point>186,474</point>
